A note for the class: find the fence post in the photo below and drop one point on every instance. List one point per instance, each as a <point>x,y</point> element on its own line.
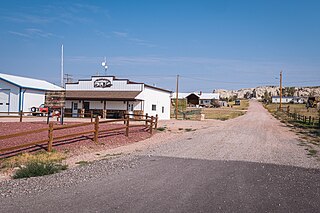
<point>127,126</point>
<point>146,119</point>
<point>124,117</point>
<point>156,122</point>
<point>96,129</point>
<point>91,116</point>
<point>319,122</point>
<point>151,124</point>
<point>50,137</point>
<point>20,115</point>
<point>48,115</point>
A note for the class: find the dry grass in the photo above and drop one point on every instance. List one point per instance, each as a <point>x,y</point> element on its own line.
<point>225,113</point>
<point>295,108</point>
<point>244,104</point>
<point>26,158</point>
<point>222,114</point>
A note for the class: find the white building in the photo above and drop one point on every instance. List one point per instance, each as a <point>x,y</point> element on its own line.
<point>116,96</point>
<point>20,93</point>
<point>284,100</point>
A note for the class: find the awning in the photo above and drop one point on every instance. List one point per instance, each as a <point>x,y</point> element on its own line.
<point>102,95</point>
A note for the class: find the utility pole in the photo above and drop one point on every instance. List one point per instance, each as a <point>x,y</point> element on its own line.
<point>280,90</point>
<point>67,78</point>
<point>177,92</point>
<point>62,79</point>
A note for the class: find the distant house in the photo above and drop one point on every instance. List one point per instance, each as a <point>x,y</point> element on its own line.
<point>21,93</point>
<point>289,99</point>
<point>284,100</point>
<point>196,99</point>
<point>299,100</point>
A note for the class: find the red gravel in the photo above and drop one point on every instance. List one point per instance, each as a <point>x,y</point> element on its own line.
<point>75,144</point>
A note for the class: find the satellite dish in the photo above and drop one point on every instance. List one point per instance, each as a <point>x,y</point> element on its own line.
<point>104,64</point>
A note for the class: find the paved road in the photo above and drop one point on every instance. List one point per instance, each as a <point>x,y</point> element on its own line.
<point>250,164</point>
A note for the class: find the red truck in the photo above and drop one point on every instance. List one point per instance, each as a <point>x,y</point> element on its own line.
<point>42,110</point>
<point>39,111</point>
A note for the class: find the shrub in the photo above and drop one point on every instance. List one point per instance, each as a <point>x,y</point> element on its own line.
<point>161,129</point>
<point>33,169</point>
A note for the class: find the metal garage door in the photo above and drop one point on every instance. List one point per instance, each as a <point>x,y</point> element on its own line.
<point>4,100</point>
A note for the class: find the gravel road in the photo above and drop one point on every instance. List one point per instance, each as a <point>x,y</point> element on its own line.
<point>255,137</point>
<point>249,164</point>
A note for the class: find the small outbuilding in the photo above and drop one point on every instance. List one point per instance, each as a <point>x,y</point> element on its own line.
<point>196,99</point>
<point>20,93</point>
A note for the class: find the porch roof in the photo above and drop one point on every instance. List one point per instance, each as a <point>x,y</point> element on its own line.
<point>103,95</point>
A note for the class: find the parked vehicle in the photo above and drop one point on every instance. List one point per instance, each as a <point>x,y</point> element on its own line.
<point>39,111</point>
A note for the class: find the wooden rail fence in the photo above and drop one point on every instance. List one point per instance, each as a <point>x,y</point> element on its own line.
<point>310,120</point>
<point>150,122</point>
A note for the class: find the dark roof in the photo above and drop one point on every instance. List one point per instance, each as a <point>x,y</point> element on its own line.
<point>103,95</point>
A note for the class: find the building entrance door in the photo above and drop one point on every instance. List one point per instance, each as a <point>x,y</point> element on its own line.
<point>74,109</point>
<point>86,106</point>
<point>4,100</point>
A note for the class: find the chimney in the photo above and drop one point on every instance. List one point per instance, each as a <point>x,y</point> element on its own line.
<point>200,93</point>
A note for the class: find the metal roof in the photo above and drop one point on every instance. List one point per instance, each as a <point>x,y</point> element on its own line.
<point>29,83</point>
<point>202,96</point>
<point>181,95</point>
<point>209,96</point>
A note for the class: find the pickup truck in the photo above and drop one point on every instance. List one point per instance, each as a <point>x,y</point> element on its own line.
<point>39,111</point>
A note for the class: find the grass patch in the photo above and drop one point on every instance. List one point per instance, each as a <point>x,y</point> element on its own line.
<point>31,165</point>
<point>113,155</point>
<point>189,129</point>
<point>25,158</point>
<point>312,152</point>
<point>33,169</point>
<point>161,129</point>
<point>82,163</point>
<point>222,114</point>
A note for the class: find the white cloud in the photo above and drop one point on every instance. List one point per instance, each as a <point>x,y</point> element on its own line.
<point>120,34</point>
<point>34,33</point>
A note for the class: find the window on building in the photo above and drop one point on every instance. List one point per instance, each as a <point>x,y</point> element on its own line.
<point>154,107</point>
<point>163,109</point>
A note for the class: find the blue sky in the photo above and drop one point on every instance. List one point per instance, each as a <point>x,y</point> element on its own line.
<point>210,44</point>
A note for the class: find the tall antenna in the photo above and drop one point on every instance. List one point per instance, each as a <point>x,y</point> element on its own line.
<point>104,64</point>
<point>62,82</point>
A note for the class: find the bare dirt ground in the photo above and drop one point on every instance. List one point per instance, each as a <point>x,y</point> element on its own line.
<point>73,146</point>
